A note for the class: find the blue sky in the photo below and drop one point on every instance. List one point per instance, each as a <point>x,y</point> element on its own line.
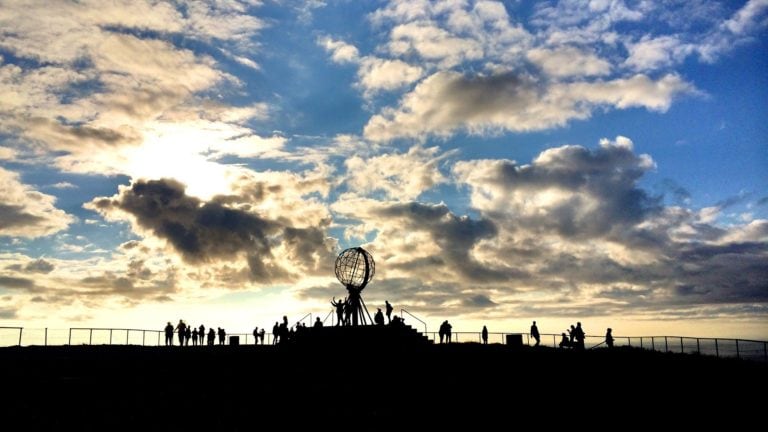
<point>602,161</point>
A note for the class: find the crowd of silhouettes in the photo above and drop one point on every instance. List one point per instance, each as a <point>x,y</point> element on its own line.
<point>198,336</point>
<point>282,332</point>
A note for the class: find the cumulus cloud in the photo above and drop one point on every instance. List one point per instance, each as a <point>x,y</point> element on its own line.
<point>572,233</point>
<point>450,101</point>
<point>568,61</point>
<point>374,74</point>
<point>94,76</point>
<point>400,176</point>
<point>573,58</point>
<point>25,212</point>
<point>223,229</point>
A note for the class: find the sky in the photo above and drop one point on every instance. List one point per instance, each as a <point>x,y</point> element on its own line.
<point>600,161</point>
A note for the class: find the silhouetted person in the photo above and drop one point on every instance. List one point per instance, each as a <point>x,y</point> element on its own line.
<point>379,318</point>
<point>580,335</point>
<point>222,336</point>
<point>255,335</point>
<point>485,335</point>
<point>318,323</point>
<point>169,334</point>
<point>283,330</point>
<point>182,329</point>
<point>571,335</point>
<point>187,336</point>
<point>261,336</point>
<point>609,338</point>
<point>201,334</point>
<point>339,305</point>
<point>535,333</point>
<point>275,333</point>
<point>441,332</point>
<point>211,337</point>
<point>194,337</point>
<point>388,308</point>
<point>564,342</point>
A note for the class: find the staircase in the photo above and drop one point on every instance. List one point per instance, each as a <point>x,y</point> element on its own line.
<point>361,336</point>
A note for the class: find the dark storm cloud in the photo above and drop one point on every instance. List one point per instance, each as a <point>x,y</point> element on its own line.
<point>207,231</point>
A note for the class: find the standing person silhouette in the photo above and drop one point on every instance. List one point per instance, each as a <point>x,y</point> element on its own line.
<point>535,333</point>
<point>448,328</point>
<point>609,338</point>
<point>389,311</point>
<point>169,334</point>
<point>485,335</point>
<point>255,335</point>
<point>182,328</point>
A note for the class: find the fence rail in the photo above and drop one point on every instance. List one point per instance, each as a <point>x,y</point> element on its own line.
<point>719,347</point>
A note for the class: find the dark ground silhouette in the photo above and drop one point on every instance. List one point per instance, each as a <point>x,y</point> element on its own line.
<point>388,386</point>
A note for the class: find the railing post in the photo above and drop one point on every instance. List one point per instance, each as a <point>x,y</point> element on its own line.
<point>110,336</point>
<point>641,342</point>
<point>653,344</point>
<point>629,341</point>
<point>698,346</point>
<point>682,350</point>
<point>737,348</point>
<point>765,351</point>
<point>90,336</point>
<point>46,336</point>
<point>143,337</point>
<point>21,329</point>
<point>717,349</point>
<point>70,337</point>
<point>666,345</point>
<point>127,334</point>
<point>158,338</point>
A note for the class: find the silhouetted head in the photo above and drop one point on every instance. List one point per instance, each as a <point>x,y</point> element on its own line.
<point>563,334</point>
<point>378,309</point>
<point>534,323</point>
<point>578,324</point>
<point>609,330</point>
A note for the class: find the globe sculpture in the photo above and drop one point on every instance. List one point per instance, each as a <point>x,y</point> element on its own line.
<point>354,269</point>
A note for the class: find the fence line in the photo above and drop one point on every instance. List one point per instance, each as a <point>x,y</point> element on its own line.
<point>719,347</point>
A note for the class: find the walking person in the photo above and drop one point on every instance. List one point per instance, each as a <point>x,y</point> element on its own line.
<point>389,311</point>
<point>535,333</point>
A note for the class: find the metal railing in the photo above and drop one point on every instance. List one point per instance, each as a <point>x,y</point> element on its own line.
<point>719,347</point>
<point>402,311</point>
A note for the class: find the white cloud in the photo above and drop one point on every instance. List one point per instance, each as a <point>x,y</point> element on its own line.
<point>448,101</point>
<point>750,15</point>
<point>341,52</point>
<point>379,74</point>
<point>373,73</point>
<point>401,176</point>
<point>432,43</point>
<point>655,53</point>
<point>25,212</point>
<point>569,61</point>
